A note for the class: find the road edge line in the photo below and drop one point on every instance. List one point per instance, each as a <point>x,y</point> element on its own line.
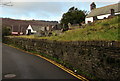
<point>54,63</point>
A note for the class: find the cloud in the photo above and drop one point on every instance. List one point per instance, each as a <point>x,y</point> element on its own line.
<point>33,9</point>
<point>64,0</point>
<point>42,10</point>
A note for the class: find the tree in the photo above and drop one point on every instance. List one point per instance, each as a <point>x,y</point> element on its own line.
<point>6,31</point>
<point>5,3</point>
<point>73,16</point>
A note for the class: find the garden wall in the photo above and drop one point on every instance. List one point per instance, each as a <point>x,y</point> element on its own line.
<point>98,58</point>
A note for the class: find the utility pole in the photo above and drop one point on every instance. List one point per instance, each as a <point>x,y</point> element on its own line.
<point>19,29</point>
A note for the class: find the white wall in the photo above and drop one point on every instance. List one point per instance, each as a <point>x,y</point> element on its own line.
<point>48,28</point>
<point>99,17</point>
<point>88,19</point>
<point>117,13</point>
<point>29,27</point>
<point>43,28</point>
<point>102,16</point>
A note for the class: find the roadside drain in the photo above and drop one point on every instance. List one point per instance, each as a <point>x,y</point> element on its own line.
<point>9,75</point>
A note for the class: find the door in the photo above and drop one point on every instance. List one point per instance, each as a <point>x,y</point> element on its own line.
<point>29,31</point>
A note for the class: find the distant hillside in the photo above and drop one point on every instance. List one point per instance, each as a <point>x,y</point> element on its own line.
<point>15,22</point>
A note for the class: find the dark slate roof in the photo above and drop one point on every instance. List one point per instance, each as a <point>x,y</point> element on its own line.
<point>104,10</point>
<point>21,28</point>
<point>36,28</point>
<point>15,28</point>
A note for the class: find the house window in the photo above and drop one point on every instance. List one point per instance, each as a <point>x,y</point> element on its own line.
<point>112,12</point>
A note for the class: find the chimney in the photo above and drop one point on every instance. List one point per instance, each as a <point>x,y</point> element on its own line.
<point>92,6</point>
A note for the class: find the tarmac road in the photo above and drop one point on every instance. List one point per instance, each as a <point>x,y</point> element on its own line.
<point>27,66</point>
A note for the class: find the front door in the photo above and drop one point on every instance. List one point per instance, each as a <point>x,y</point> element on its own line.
<point>29,32</point>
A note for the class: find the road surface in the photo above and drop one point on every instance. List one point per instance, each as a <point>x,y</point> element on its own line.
<point>27,66</point>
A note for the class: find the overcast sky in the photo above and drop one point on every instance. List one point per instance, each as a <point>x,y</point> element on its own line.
<point>51,11</point>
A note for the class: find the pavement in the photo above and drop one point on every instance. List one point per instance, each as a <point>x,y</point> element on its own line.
<point>26,66</point>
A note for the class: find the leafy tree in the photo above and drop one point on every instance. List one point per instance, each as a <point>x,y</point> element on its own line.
<point>73,16</point>
<point>6,31</point>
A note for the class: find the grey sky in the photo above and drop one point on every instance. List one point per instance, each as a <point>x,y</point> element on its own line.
<point>44,10</point>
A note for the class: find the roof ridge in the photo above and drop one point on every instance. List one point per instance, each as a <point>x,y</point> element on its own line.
<point>103,10</point>
<point>106,6</point>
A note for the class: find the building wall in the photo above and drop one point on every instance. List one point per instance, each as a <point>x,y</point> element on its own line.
<point>48,28</point>
<point>117,13</point>
<point>43,28</point>
<point>29,27</point>
<point>103,16</point>
<point>99,17</point>
<point>107,15</point>
<point>14,33</point>
<point>88,19</point>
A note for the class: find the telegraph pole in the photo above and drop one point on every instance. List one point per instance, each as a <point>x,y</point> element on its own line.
<point>19,29</point>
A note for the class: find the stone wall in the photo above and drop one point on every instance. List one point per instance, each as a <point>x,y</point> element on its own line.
<point>99,58</point>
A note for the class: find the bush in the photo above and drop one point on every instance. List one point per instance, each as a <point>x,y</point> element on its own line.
<point>6,31</point>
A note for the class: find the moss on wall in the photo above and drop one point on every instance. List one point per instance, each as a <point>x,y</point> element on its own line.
<point>98,58</point>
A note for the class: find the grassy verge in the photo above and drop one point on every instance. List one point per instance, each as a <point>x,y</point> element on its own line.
<point>101,30</point>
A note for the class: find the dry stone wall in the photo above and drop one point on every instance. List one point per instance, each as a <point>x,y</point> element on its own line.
<point>99,58</point>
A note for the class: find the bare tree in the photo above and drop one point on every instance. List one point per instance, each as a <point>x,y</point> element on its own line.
<point>5,3</point>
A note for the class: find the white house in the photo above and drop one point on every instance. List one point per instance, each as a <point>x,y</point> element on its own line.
<point>30,30</point>
<point>102,12</point>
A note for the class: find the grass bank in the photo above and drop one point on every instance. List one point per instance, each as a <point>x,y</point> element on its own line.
<point>107,30</point>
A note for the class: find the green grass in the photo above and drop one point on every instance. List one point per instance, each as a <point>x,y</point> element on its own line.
<point>101,30</point>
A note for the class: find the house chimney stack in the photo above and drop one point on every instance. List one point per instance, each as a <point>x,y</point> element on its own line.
<point>92,6</point>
